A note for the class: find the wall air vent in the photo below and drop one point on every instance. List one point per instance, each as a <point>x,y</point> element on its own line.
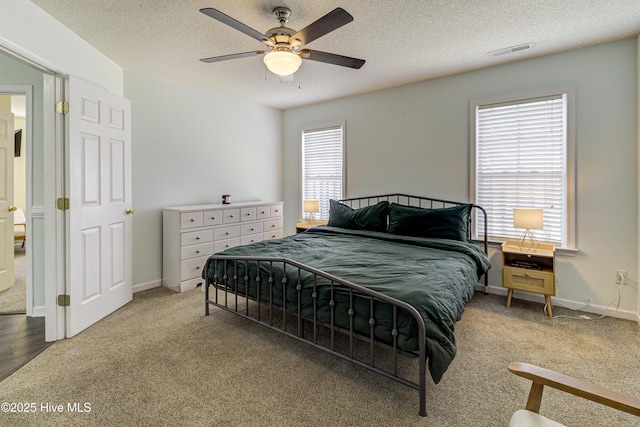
<point>511,49</point>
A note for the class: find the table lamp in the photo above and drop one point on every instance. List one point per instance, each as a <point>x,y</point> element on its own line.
<point>528,218</point>
<point>311,207</point>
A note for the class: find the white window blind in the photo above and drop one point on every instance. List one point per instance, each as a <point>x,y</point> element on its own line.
<point>322,166</point>
<point>521,161</point>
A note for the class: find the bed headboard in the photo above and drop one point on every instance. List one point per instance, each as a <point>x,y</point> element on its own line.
<point>420,202</point>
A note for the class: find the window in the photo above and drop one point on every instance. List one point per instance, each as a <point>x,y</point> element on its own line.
<point>322,166</point>
<point>522,157</point>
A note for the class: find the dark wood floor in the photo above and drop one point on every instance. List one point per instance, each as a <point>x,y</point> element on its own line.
<point>21,339</point>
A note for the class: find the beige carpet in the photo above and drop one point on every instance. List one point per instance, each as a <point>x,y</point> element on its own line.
<point>160,362</point>
<point>14,299</point>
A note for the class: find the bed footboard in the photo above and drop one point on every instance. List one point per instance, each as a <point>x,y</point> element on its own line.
<point>261,289</point>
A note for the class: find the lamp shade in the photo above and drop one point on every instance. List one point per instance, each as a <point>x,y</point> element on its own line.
<point>282,63</point>
<point>527,218</point>
<point>311,206</point>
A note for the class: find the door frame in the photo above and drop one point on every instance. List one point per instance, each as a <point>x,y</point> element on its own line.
<point>27,92</point>
<point>53,175</point>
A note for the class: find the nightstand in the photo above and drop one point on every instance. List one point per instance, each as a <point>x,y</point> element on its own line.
<point>529,270</point>
<point>304,225</point>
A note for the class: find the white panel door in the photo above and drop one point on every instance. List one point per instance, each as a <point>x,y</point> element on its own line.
<point>6,200</point>
<point>99,219</point>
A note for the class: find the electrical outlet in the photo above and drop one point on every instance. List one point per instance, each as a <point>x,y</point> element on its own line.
<point>588,301</point>
<point>620,275</point>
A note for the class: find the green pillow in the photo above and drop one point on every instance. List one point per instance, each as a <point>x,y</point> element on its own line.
<point>446,223</point>
<point>372,218</point>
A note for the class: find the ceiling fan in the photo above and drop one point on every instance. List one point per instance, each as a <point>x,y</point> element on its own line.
<point>284,53</point>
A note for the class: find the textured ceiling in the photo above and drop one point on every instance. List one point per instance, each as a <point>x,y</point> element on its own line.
<point>402,41</point>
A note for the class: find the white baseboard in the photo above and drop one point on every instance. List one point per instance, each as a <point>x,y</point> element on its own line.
<point>38,311</point>
<point>146,286</point>
<point>560,302</point>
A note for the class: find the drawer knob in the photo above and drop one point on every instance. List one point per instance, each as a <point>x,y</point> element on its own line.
<point>230,216</point>
<point>227,233</point>
<point>197,267</point>
<point>252,228</point>
<point>197,237</point>
<point>213,217</point>
<point>197,251</point>
<point>192,220</point>
<point>226,246</point>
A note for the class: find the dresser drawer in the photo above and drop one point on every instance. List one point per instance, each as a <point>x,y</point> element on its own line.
<point>230,215</point>
<point>226,232</point>
<point>196,237</point>
<point>194,251</point>
<point>251,238</point>
<point>212,217</point>
<point>273,224</point>
<point>225,244</point>
<point>190,219</point>
<point>251,228</point>
<point>276,211</point>
<point>248,214</point>
<point>275,234</point>
<point>263,212</point>
<point>192,268</point>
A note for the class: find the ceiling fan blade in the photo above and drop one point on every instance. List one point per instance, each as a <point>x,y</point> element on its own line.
<point>226,19</point>
<point>232,56</point>
<point>332,58</point>
<point>329,22</point>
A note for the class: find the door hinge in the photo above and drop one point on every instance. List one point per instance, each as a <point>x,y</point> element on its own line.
<point>63,203</point>
<point>62,107</point>
<point>64,300</point>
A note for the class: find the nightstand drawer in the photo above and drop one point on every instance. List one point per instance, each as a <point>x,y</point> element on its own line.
<point>528,280</point>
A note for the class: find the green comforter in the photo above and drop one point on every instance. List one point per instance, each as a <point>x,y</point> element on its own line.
<point>436,276</point>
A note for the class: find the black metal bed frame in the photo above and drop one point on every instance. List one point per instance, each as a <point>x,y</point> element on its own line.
<point>239,302</point>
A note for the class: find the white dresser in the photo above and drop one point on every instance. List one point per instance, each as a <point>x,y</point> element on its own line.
<point>192,233</point>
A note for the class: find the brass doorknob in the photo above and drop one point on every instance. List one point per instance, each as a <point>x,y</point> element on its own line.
<point>12,208</point>
<point>130,211</point>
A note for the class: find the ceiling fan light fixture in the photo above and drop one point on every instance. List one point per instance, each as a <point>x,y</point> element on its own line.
<point>282,63</point>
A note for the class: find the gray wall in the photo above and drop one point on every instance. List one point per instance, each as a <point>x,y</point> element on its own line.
<point>415,139</point>
<point>190,147</point>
